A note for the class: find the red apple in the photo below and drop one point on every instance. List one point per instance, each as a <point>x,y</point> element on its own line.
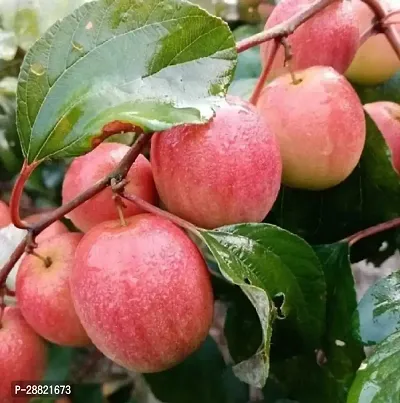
<point>375,61</point>
<point>320,126</point>
<point>5,218</point>
<point>22,354</point>
<point>142,292</point>
<point>386,116</point>
<point>224,172</point>
<point>51,231</point>
<point>43,291</point>
<point>330,38</point>
<point>88,169</point>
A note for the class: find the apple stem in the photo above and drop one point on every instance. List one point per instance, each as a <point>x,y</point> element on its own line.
<point>162,213</point>
<point>288,60</point>
<point>376,229</point>
<point>263,77</point>
<point>16,194</point>
<point>370,31</point>
<point>120,172</point>
<point>285,28</point>
<point>46,260</point>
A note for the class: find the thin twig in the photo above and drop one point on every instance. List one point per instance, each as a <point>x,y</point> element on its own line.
<point>285,28</point>
<point>265,72</point>
<point>370,31</point>
<point>389,30</point>
<point>352,239</point>
<point>162,213</point>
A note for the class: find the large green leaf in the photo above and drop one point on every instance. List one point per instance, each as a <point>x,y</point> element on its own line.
<point>343,351</point>
<point>378,313</point>
<point>149,63</point>
<point>59,364</point>
<point>202,377</point>
<point>267,262</point>
<point>378,380</point>
<point>300,378</point>
<point>330,215</point>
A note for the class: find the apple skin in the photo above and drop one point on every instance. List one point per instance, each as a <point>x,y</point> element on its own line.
<point>23,354</point>
<point>5,218</point>
<point>386,116</point>
<point>226,171</point>
<point>320,126</point>
<point>375,61</point>
<point>85,171</point>
<point>43,293</point>
<point>330,38</point>
<point>143,292</point>
<point>52,230</point>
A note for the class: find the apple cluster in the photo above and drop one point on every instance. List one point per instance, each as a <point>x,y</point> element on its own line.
<point>138,287</point>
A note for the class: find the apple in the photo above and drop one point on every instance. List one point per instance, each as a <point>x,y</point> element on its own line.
<point>86,170</point>
<point>22,354</point>
<point>386,116</point>
<point>52,230</point>
<point>142,292</point>
<point>375,61</point>
<point>43,291</point>
<point>320,126</point>
<point>226,171</point>
<point>5,218</point>
<point>330,38</point>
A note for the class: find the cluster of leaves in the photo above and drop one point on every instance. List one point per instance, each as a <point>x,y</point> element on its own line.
<point>293,327</point>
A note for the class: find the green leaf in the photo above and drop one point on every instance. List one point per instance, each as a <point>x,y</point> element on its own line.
<point>249,62</point>
<point>202,377</point>
<point>87,393</point>
<point>257,258</point>
<point>387,91</point>
<point>330,215</point>
<point>378,313</point>
<point>377,380</point>
<point>300,378</point>
<point>150,63</point>
<point>343,351</point>
<point>59,363</point>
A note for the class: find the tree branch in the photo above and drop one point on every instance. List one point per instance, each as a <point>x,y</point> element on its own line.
<point>376,229</point>
<point>119,173</point>
<point>285,28</point>
<point>389,30</point>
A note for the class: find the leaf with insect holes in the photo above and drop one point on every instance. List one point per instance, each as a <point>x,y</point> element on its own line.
<point>153,64</point>
<point>266,262</point>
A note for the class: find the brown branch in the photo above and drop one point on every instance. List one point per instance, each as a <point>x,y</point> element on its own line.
<point>144,205</point>
<point>266,70</point>
<point>389,30</point>
<point>119,173</point>
<point>285,28</point>
<point>352,239</point>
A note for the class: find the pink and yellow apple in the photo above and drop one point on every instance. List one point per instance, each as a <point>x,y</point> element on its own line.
<point>85,171</point>
<point>375,61</point>
<point>386,116</point>
<point>43,291</point>
<point>224,172</point>
<point>22,354</point>
<point>142,292</point>
<point>320,126</point>
<point>330,38</point>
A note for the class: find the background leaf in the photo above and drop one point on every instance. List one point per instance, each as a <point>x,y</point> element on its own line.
<point>378,313</point>
<point>171,63</point>
<point>267,262</point>
<point>343,352</point>
<point>202,377</point>
<point>377,380</point>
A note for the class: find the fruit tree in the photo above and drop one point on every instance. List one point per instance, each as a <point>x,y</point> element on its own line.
<point>183,199</point>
